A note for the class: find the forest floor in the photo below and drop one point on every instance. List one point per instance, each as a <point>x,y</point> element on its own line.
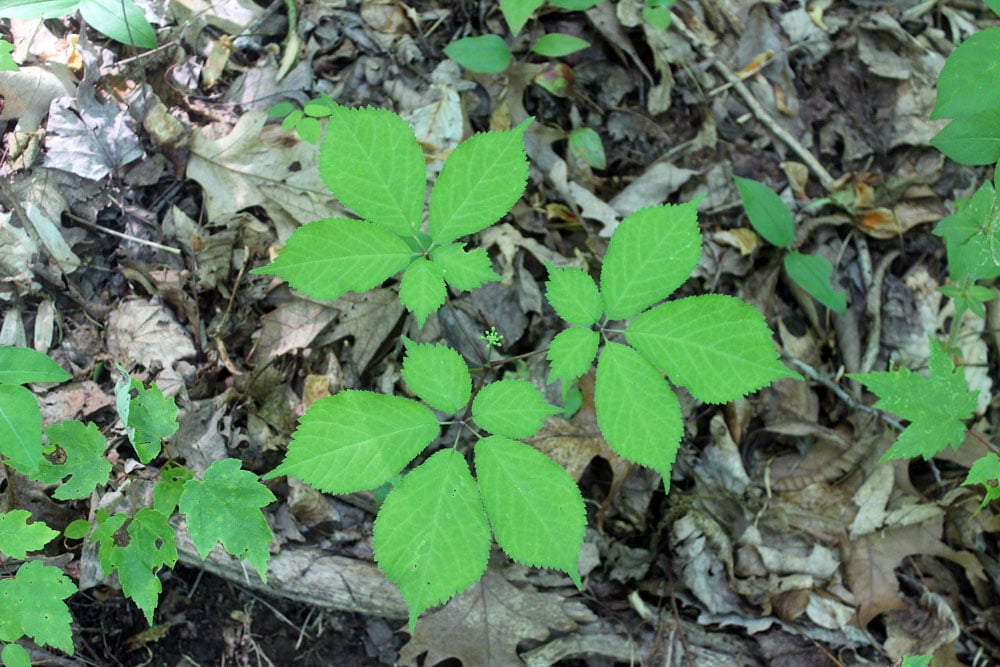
<point>155,180</point>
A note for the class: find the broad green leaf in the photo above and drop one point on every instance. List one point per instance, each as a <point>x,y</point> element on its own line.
<point>517,12</point>
<point>225,507</point>
<point>935,405</point>
<point>574,5</point>
<point>372,163</point>
<point>651,253</point>
<point>512,408</point>
<point>638,412</point>
<point>486,54</point>
<point>137,551</point>
<point>972,139</point>
<point>970,235</point>
<point>120,20</point>
<point>15,655</point>
<point>151,417</point>
<point>985,471</point>
<point>812,273</point>
<point>574,295</point>
<point>571,353</point>
<point>534,506</point>
<point>31,605</point>
<point>464,270</point>
<point>557,45</point>
<point>438,375</point>
<point>37,9</point>
<point>77,529</point>
<point>969,82</point>
<point>17,537</point>
<point>768,214</point>
<point>328,257</point>
<point>78,453</point>
<point>20,428</point>
<point>21,365</point>
<point>480,182</point>
<point>657,17</point>
<point>715,345</point>
<point>431,536</point>
<point>356,441</point>
<point>587,146</point>
<point>422,289</point>
<point>168,491</point>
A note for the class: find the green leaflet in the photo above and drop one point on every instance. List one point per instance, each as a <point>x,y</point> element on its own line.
<point>812,273</point>
<point>17,537</point>
<point>121,20</point>
<point>31,605</point>
<point>651,253</point>
<point>488,54</point>
<point>767,212</point>
<point>571,353</point>
<point>464,270</point>
<point>586,144</point>
<point>638,412</point>
<point>972,139</point>
<point>431,536</point>
<point>328,257</point>
<point>21,365</point>
<point>15,655</point>
<point>935,405</point>
<point>37,9</point>
<point>356,441</point>
<point>715,345</point>
<point>137,552</point>
<point>372,163</point>
<point>422,289</point>
<point>574,295</point>
<point>970,79</point>
<point>534,506</point>
<point>480,182</point>
<point>225,508</point>
<point>513,408</point>
<point>517,12</point>
<point>81,450</point>
<point>557,45</point>
<point>438,375</point>
<point>20,428</point>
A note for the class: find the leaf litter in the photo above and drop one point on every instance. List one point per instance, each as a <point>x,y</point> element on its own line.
<point>781,526</point>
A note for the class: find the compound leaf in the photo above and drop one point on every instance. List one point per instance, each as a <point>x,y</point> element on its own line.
<point>480,182</point>
<point>17,537</point>
<point>715,345</point>
<point>513,408</point>
<point>487,54</point>
<point>768,214</point>
<point>431,536</point>
<point>969,82</point>
<point>121,20</point>
<point>812,273</point>
<point>651,254</point>
<point>137,552</point>
<point>638,412</point>
<point>571,353</point>
<point>356,441</point>
<point>557,45</point>
<point>464,270</point>
<point>20,365</point>
<point>80,448</point>
<point>517,12</point>
<point>422,289</point>
<point>151,417</point>
<point>225,508</point>
<point>31,605</point>
<point>326,258</point>
<point>534,506</point>
<point>574,295</point>
<point>20,428</point>
<point>986,471</point>
<point>935,405</point>
<point>372,163</point>
<point>438,375</point>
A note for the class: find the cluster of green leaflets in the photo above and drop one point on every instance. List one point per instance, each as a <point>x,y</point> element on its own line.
<point>432,535</point>
<point>223,506</point>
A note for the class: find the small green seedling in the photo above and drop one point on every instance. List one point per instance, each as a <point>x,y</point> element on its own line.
<point>771,219</point>
<point>121,20</point>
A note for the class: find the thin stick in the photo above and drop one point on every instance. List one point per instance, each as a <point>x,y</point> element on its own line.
<point>127,237</point>
<point>841,394</point>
